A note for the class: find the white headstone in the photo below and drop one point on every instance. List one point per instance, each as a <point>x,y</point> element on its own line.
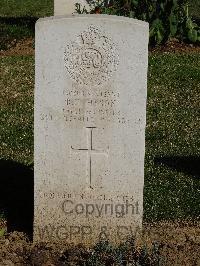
<point>90,111</point>
<point>67,7</point>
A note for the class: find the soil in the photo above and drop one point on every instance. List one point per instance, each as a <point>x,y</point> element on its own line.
<point>26,47</point>
<point>177,244</point>
<point>20,47</point>
<point>175,46</point>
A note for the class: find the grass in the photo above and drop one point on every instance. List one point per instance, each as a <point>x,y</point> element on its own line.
<point>13,29</point>
<point>18,17</point>
<point>172,181</point>
<point>28,8</point>
<point>16,114</point>
<point>172,138</point>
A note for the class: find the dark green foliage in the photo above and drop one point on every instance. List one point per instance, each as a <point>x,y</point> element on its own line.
<point>167,18</point>
<point>125,254</point>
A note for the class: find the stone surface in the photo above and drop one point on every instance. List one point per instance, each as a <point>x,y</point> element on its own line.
<point>90,112</point>
<point>67,7</point>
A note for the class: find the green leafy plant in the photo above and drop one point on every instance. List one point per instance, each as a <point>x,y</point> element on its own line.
<point>2,232</point>
<point>167,18</point>
<point>127,253</point>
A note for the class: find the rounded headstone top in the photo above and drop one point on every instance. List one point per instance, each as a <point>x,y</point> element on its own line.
<point>97,16</point>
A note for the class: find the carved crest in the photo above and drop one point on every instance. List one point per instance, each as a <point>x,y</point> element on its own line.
<point>92,58</point>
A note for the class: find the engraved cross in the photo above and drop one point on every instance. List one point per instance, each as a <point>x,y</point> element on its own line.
<point>90,151</point>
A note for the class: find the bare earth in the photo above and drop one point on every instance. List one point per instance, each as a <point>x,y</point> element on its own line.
<point>21,47</point>
<point>26,47</point>
<point>174,46</point>
<point>178,244</point>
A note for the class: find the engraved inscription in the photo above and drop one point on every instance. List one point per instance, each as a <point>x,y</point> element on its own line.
<point>76,196</point>
<point>92,58</point>
<point>92,106</point>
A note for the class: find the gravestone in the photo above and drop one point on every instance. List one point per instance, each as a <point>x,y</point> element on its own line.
<point>90,111</point>
<point>67,7</point>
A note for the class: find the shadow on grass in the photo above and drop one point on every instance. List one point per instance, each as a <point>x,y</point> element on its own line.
<point>17,196</point>
<point>189,165</point>
<point>29,22</point>
<point>13,29</point>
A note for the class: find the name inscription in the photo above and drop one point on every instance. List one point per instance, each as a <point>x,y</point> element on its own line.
<point>89,106</point>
